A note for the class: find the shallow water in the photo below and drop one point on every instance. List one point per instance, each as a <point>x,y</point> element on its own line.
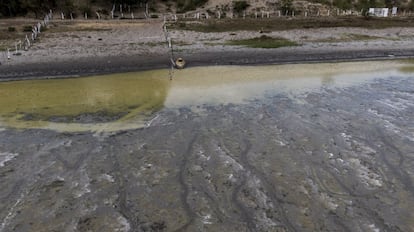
<point>130,100</point>
<point>82,103</point>
<point>317,147</point>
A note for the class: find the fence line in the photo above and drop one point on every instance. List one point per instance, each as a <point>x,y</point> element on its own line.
<point>204,14</point>
<point>170,47</point>
<point>29,39</point>
<point>25,43</point>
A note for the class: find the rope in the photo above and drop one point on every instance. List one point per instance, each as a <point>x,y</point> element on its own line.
<point>169,44</point>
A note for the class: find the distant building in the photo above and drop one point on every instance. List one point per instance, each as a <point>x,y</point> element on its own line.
<point>394,11</point>
<point>379,12</point>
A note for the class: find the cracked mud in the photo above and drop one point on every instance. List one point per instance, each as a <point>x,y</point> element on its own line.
<point>331,150</point>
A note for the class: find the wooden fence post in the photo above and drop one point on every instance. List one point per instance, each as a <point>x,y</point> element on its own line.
<point>112,11</point>
<point>28,43</point>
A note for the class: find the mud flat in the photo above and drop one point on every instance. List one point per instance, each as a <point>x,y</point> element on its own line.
<point>79,47</point>
<point>316,147</point>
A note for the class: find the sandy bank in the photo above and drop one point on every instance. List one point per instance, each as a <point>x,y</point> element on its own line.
<point>81,48</point>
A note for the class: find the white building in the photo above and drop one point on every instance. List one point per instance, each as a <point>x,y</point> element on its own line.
<point>379,12</point>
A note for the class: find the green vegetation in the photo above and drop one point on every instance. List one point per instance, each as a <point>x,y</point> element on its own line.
<point>12,8</point>
<point>325,2</point>
<point>347,38</point>
<point>343,4</point>
<point>286,6</point>
<point>240,6</point>
<point>410,5</point>
<point>361,37</point>
<point>187,5</point>
<point>27,28</point>
<point>263,42</point>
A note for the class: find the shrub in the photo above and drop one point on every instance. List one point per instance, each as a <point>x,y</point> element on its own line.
<point>86,9</point>
<point>263,42</point>
<point>286,6</point>
<point>343,4</point>
<point>187,5</point>
<point>27,28</point>
<point>239,6</point>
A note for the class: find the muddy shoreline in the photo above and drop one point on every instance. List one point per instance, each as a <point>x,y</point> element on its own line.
<point>331,159</point>
<point>303,147</point>
<point>83,48</point>
<point>87,66</point>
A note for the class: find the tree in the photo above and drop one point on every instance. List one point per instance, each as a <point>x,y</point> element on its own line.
<point>286,6</point>
<point>33,6</point>
<point>66,6</point>
<point>187,5</point>
<point>240,6</point>
<point>10,8</point>
<point>343,4</point>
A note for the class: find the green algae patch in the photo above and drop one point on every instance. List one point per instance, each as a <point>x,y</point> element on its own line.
<point>408,66</point>
<point>263,42</point>
<point>132,100</point>
<point>407,69</point>
<point>89,101</point>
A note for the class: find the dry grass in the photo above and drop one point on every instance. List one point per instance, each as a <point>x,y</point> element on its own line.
<point>18,25</point>
<point>279,24</point>
<point>57,26</point>
<point>60,27</point>
<point>346,38</point>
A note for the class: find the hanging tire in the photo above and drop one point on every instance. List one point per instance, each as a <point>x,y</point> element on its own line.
<point>180,63</point>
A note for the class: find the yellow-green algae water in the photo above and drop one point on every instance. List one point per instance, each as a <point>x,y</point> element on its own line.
<point>133,98</point>
<point>132,95</point>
